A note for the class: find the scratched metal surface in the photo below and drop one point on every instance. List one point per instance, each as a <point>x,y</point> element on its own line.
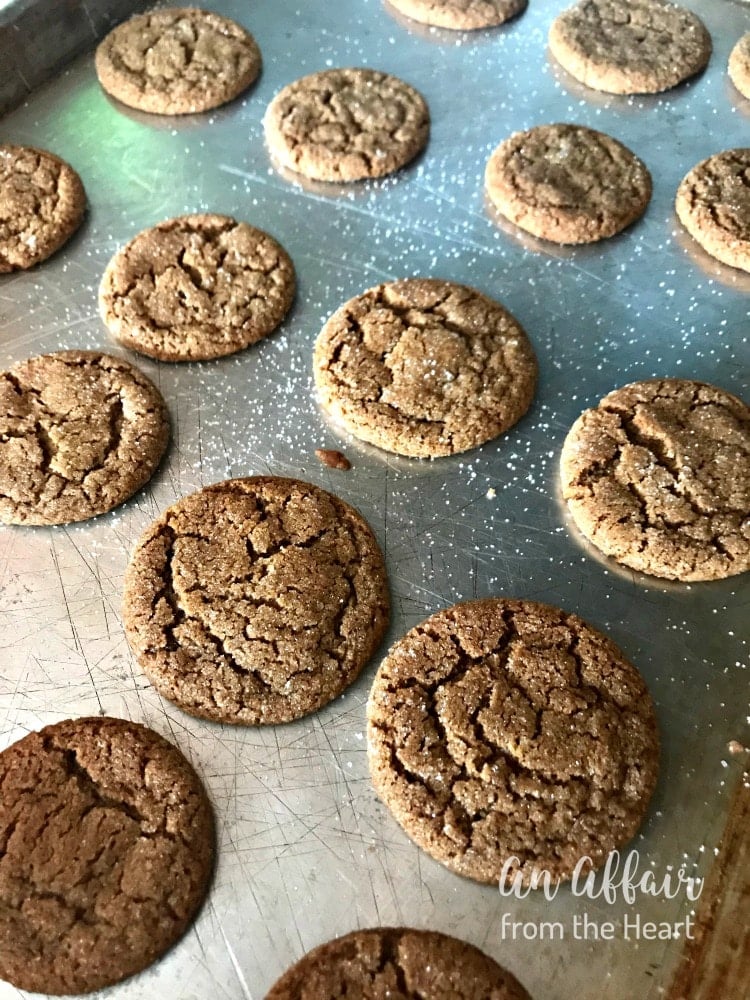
<point>305,850</point>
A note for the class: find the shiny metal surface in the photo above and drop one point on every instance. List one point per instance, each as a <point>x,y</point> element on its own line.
<point>305,849</point>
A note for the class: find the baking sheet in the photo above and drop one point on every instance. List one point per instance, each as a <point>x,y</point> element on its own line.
<point>305,850</point>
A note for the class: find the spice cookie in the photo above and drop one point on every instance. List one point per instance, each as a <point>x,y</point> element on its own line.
<point>567,183</point>
<point>388,963</point>
<point>196,287</point>
<point>80,432</point>
<point>424,367</point>
<point>739,65</point>
<point>460,15</point>
<point>255,600</point>
<point>107,847</point>
<point>42,203</point>
<point>713,204</point>
<point>657,476</point>
<point>508,732</point>
<point>346,125</point>
<point>629,46</point>
<point>177,61</point>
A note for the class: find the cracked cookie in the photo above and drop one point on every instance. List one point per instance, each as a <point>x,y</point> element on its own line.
<point>42,203</point>
<point>460,15</point>
<point>739,65</point>
<point>424,367</point>
<point>255,600</point>
<point>508,731</point>
<point>196,287</point>
<point>397,963</point>
<point>346,125</point>
<point>657,476</point>
<point>567,183</point>
<point>106,850</point>
<point>713,204</point>
<point>80,432</point>
<point>177,61</point>
<point>629,46</point>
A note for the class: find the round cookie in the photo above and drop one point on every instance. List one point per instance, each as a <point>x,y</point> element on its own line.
<point>629,46</point>
<point>196,287</point>
<point>460,15</point>
<point>255,600</point>
<point>713,204</point>
<point>389,963</point>
<point>739,65</point>
<point>508,732</point>
<point>107,848</point>
<point>346,125</point>
<point>42,203</point>
<point>177,61</point>
<point>425,368</point>
<point>657,476</point>
<point>567,183</point>
<point>80,432</point>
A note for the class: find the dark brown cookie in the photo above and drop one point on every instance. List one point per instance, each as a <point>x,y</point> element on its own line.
<point>177,61</point>
<point>502,730</point>
<point>460,15</point>
<point>80,432</point>
<point>106,849</point>
<point>389,963</point>
<point>42,203</point>
<point>424,367</point>
<point>630,46</point>
<point>255,600</point>
<point>346,125</point>
<point>567,183</point>
<point>657,475</point>
<point>739,65</point>
<point>196,287</point>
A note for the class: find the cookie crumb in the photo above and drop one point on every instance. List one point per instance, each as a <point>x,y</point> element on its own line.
<point>735,747</point>
<point>333,459</point>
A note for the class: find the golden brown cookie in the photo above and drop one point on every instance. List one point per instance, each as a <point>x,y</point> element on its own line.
<point>80,432</point>
<point>460,15</point>
<point>657,475</point>
<point>397,963</point>
<point>255,600</point>
<point>196,287</point>
<point>346,125</point>
<point>739,65</point>
<point>630,46</point>
<point>713,204</point>
<point>424,367</point>
<point>177,61</point>
<point>42,203</point>
<point>504,729</point>
<point>567,183</point>
<point>107,845</point>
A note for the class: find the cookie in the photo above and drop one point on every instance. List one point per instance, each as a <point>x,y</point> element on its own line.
<point>196,287</point>
<point>629,46</point>
<point>177,61</point>
<point>460,15</point>
<point>713,204</point>
<point>739,65</point>
<point>80,432</point>
<point>397,963</point>
<point>42,203</point>
<point>255,600</point>
<point>106,850</point>
<point>567,183</point>
<point>346,125</point>
<point>508,732</point>
<point>657,475</point>
<point>424,367</point>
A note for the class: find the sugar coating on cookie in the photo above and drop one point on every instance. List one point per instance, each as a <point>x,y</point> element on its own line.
<point>255,600</point>
<point>713,204</point>
<point>657,475</point>
<point>424,367</point>
<point>630,46</point>
<point>42,203</point>
<point>508,732</point>
<point>107,848</point>
<point>460,15</point>
<point>177,61</point>
<point>80,432</point>
<point>396,963</point>
<point>567,183</point>
<point>346,125</point>
<point>739,65</point>
<point>196,287</point>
